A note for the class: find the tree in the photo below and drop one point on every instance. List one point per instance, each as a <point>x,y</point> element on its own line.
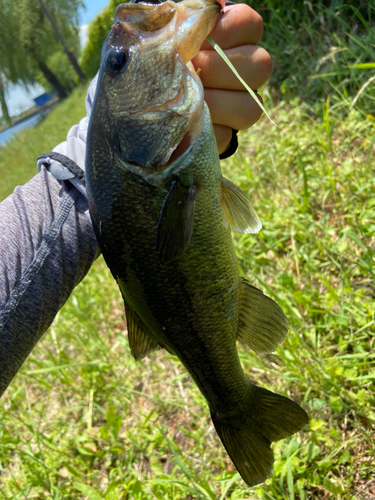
<point>3,103</point>
<point>28,42</point>
<point>13,65</point>
<point>38,37</point>
<point>59,35</point>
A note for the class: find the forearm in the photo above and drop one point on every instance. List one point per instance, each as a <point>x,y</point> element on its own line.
<point>47,246</point>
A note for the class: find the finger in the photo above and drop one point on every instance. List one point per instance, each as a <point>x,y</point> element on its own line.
<point>223,136</point>
<point>239,25</point>
<point>253,63</point>
<point>232,108</point>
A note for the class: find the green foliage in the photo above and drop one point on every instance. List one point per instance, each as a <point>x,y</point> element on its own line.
<point>316,48</point>
<point>60,65</point>
<point>14,60</point>
<point>15,63</point>
<point>38,37</point>
<point>97,33</point>
<point>37,44</point>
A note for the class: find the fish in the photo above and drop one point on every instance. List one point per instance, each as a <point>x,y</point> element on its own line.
<point>163,215</point>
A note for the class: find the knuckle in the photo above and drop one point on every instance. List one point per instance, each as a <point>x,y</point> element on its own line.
<point>249,19</point>
<point>253,20</point>
<point>250,114</point>
<point>257,25</point>
<point>265,61</point>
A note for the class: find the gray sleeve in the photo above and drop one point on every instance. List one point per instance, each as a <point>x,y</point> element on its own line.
<point>47,246</point>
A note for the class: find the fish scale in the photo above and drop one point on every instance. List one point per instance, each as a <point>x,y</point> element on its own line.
<point>163,213</point>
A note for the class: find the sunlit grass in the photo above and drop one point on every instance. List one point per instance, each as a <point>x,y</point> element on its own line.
<point>18,156</point>
<point>321,48</point>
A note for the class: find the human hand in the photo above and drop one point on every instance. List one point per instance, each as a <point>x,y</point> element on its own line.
<point>231,106</point>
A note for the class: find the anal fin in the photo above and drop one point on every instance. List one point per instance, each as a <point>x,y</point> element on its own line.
<point>140,341</point>
<point>262,324</point>
<point>238,211</point>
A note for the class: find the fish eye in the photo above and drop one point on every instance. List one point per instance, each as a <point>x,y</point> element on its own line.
<point>117,59</point>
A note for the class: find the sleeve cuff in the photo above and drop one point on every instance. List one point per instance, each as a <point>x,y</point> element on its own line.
<point>232,146</point>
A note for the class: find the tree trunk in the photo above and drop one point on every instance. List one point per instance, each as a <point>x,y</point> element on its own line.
<point>70,55</point>
<point>52,79</point>
<point>3,103</point>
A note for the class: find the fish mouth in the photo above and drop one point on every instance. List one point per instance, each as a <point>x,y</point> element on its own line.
<point>156,131</point>
<point>169,127</point>
<point>189,17</point>
<point>187,105</point>
<point>188,22</point>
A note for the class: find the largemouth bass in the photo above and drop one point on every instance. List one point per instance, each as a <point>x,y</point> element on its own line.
<point>163,213</point>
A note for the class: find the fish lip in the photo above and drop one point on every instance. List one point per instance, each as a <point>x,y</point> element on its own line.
<point>150,23</point>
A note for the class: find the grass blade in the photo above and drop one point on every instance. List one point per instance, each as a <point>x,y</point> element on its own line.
<point>251,92</point>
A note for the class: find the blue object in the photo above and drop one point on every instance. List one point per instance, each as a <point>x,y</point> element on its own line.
<point>43,99</point>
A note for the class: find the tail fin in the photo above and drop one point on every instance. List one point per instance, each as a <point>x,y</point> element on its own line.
<point>247,438</point>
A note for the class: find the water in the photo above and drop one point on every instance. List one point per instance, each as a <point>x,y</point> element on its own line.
<point>30,122</point>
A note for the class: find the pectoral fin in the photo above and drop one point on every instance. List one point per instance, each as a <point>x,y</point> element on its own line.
<point>238,211</point>
<point>175,225</point>
<point>141,343</point>
<point>262,323</point>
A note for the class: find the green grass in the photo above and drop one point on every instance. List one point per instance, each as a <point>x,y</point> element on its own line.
<point>318,48</point>
<point>18,156</point>
<point>82,419</point>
